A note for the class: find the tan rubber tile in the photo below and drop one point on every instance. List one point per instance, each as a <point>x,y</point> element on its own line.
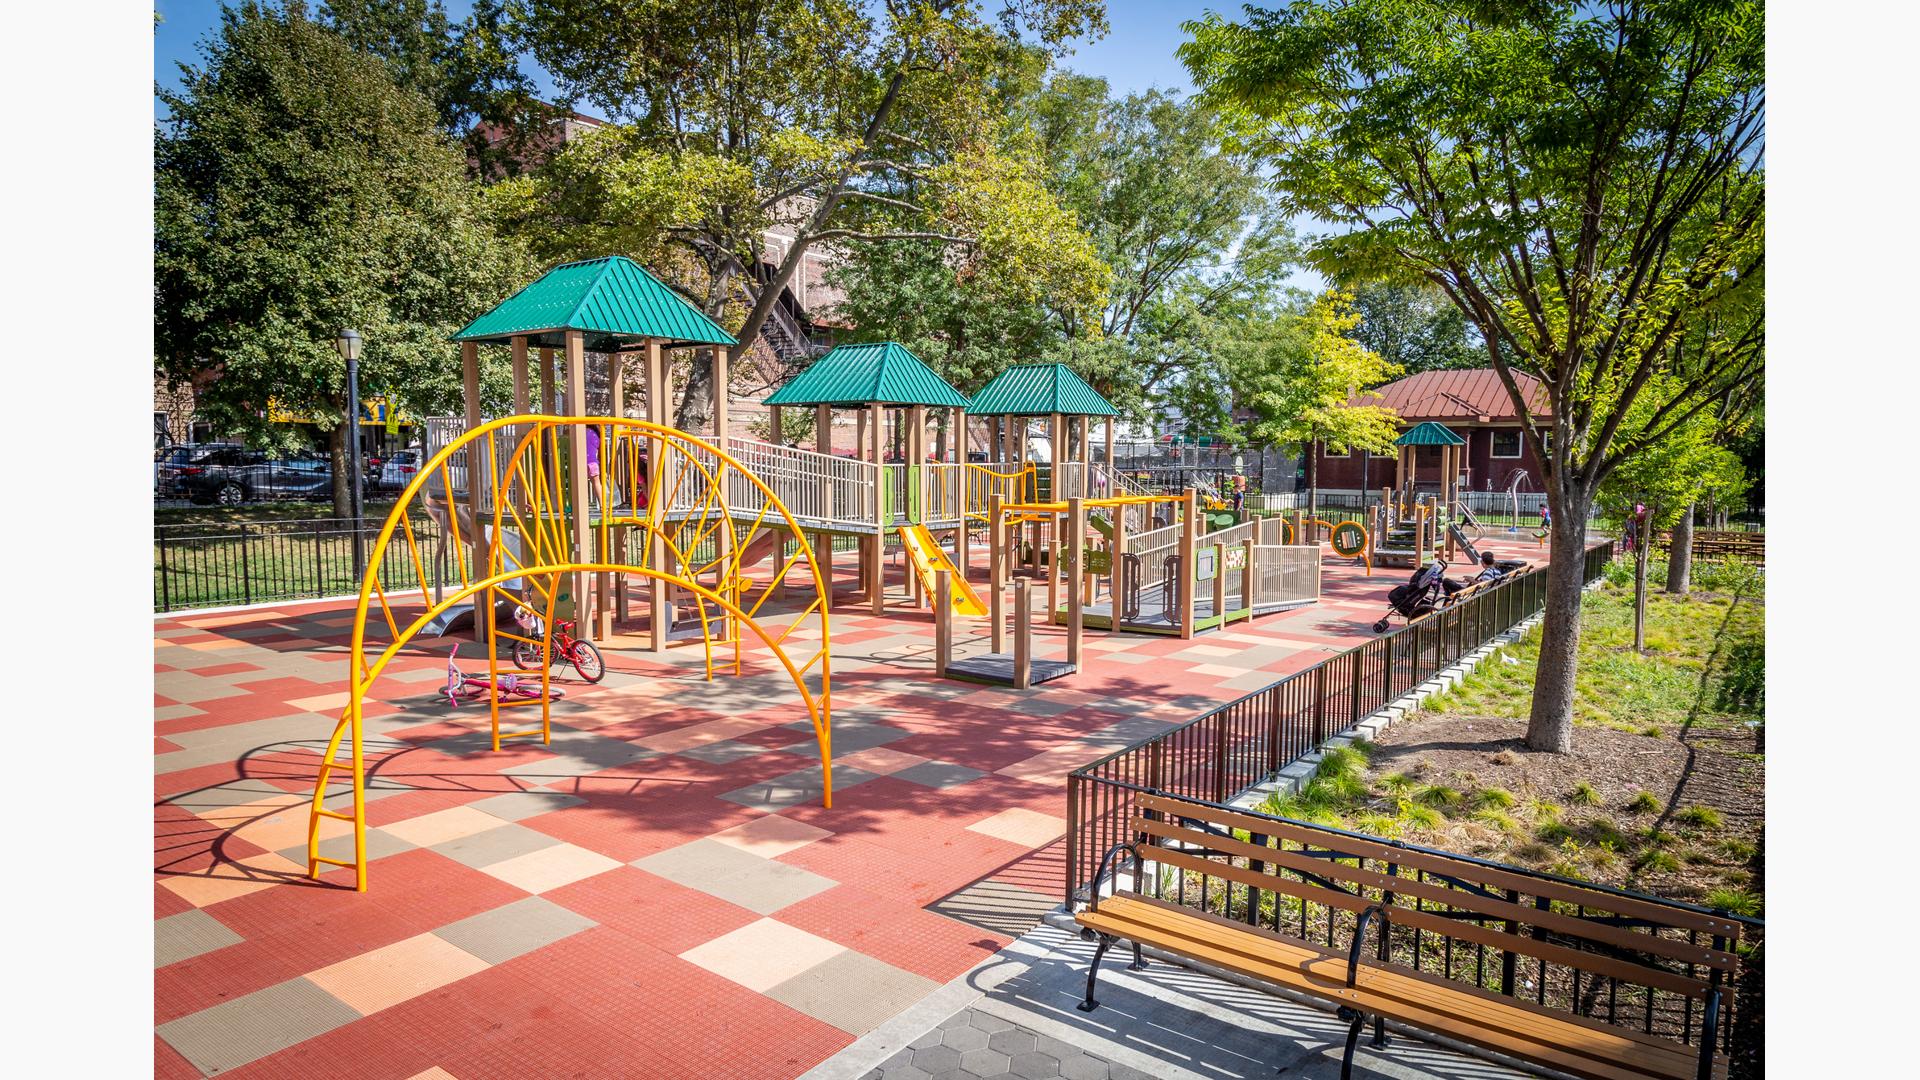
<point>772,836</point>
<point>762,955</point>
<point>398,972</point>
<point>551,867</point>
<point>1028,828</point>
<point>443,825</point>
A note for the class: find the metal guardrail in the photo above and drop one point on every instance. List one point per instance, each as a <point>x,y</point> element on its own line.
<point>1230,748</point>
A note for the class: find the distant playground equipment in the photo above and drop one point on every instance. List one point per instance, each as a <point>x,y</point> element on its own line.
<point>1098,574</point>
<point>550,514</point>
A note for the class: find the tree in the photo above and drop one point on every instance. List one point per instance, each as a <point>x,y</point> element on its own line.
<point>1414,327</point>
<point>1300,373</point>
<point>298,191</point>
<point>468,71</point>
<point>1584,181</point>
<point>842,122</point>
<point>1690,465</point>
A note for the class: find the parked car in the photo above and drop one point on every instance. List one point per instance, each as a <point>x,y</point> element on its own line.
<point>396,472</point>
<point>168,462</point>
<point>231,475</point>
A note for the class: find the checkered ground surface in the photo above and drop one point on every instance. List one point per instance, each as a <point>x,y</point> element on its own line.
<point>658,891</point>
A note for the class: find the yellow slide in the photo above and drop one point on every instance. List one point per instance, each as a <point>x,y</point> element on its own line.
<point>926,557</point>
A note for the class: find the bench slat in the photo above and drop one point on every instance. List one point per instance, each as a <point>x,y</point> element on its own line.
<point>1440,894</point>
<point>1628,906</point>
<point>1584,1049</point>
<point>1624,970</point>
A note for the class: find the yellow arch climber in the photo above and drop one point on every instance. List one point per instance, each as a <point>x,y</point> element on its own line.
<point>507,489</point>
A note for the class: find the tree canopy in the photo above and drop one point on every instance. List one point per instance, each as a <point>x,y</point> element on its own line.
<point>297,191</point>
<point>1586,183</point>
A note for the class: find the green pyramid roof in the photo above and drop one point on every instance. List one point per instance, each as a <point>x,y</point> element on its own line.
<point>883,373</point>
<point>1430,434</point>
<point>614,300</point>
<point>1039,390</point>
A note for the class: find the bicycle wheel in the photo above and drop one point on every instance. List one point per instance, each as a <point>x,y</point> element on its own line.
<point>586,660</point>
<point>526,655</point>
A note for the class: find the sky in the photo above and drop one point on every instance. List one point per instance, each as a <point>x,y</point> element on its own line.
<point>1137,54</point>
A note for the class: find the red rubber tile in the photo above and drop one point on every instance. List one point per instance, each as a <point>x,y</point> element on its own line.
<point>669,917</point>
<point>925,943</point>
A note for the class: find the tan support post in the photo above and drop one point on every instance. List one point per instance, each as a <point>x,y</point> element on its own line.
<point>612,471</point>
<point>942,622</point>
<point>659,605</point>
<point>775,433</point>
<point>997,568</point>
<point>722,390</point>
<point>876,551</point>
<point>1117,568</point>
<point>476,463</point>
<point>1248,578</point>
<point>518,349</point>
<point>1189,542</point>
<point>1113,472</point>
<point>1076,569</point>
<point>546,382</point>
<point>962,555</point>
<point>583,619</point>
<point>1022,635</point>
<point>1220,583</point>
<point>914,478</point>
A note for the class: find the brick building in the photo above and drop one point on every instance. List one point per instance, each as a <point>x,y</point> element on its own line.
<point>1476,406</point>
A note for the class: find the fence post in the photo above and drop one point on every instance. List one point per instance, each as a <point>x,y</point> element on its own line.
<point>1319,704</point>
<point>1022,635</point>
<point>1354,701</point>
<point>319,566</point>
<point>246,576</point>
<point>942,621</point>
<point>165,603</point>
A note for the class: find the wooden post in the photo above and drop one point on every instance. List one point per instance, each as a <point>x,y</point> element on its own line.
<point>913,455</point>
<point>942,622</point>
<point>823,542</point>
<point>1113,472</point>
<point>1220,583</point>
<point>612,467</point>
<point>546,382</point>
<point>1117,568</point>
<point>1022,636</point>
<point>476,462</point>
<point>1076,569</point>
<point>722,390</point>
<point>518,348</point>
<point>1189,541</point>
<point>997,568</point>
<point>775,433</point>
<point>876,552</point>
<point>962,555</point>
<point>577,475</point>
<point>659,604</point>
<point>1247,578</point>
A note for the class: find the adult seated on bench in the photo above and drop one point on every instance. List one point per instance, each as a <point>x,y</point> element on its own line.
<point>1616,984</point>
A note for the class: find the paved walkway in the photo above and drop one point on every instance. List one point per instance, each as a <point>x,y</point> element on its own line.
<point>1015,1017</point>
<point>658,892</point>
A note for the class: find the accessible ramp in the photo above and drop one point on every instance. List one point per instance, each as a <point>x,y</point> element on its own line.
<point>928,559</point>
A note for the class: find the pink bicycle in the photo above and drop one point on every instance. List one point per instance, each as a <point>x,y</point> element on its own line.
<point>462,687</point>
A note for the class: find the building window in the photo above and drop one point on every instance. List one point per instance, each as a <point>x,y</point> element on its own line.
<point>1506,442</point>
<point>1329,452</point>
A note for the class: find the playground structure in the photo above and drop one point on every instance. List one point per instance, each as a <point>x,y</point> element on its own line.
<point>554,513</point>
<point>1177,579</point>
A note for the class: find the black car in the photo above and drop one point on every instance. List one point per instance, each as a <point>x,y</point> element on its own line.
<point>231,475</point>
<point>170,461</point>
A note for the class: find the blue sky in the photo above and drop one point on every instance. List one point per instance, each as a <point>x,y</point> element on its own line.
<point>1137,54</point>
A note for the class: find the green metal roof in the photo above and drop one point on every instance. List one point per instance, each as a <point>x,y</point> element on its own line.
<point>1039,390</point>
<point>883,373</point>
<point>1430,434</point>
<point>614,300</point>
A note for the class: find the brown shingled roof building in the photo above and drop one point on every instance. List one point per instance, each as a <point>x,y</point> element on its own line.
<point>1476,406</point>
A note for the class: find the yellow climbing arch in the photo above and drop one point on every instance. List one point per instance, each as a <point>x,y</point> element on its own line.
<point>505,496</point>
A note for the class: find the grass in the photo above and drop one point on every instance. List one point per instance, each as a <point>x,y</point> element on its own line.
<point>1701,817</point>
<point>1652,694</point>
<point>1643,802</point>
<point>1584,794</point>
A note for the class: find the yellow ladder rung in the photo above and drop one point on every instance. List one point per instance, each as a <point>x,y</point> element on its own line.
<point>334,862</point>
<point>336,815</point>
<point>505,735</point>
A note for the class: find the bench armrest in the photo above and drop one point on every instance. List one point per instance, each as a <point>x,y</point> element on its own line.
<point>1709,1033</point>
<point>1360,937</point>
<point>1106,861</point>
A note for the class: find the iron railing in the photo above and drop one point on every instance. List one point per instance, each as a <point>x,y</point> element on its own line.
<point>1227,750</point>
<point>212,565</point>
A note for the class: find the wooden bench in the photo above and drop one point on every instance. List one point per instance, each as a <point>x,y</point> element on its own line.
<point>1582,955</point>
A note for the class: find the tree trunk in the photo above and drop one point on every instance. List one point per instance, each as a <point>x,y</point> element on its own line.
<point>1680,554</point>
<point>1313,479</point>
<point>1550,724</point>
<point>342,470</point>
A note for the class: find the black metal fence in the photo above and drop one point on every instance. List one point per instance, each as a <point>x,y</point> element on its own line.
<point>1220,753</point>
<point>203,565</point>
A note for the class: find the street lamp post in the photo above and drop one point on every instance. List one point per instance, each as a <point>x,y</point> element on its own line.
<point>349,345</point>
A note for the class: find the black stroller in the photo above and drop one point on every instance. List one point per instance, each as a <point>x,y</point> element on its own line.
<point>1425,591</point>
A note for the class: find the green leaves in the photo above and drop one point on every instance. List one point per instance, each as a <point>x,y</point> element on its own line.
<point>1299,376</point>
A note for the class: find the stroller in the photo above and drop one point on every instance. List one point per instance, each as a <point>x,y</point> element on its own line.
<point>1425,591</point>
